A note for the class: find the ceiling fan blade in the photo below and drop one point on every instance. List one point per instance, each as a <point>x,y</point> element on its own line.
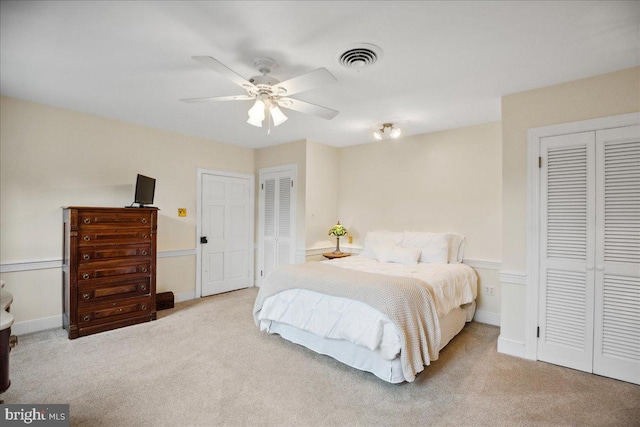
<point>308,81</point>
<point>220,68</point>
<point>219,98</point>
<point>307,108</point>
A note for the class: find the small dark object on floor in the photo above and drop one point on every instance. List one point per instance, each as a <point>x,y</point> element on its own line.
<point>164,300</point>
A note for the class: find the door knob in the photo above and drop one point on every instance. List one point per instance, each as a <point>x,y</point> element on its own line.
<point>203,239</point>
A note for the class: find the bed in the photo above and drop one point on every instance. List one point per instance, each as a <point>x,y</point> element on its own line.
<point>388,311</point>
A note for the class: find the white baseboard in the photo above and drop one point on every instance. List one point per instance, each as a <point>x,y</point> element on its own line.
<point>512,348</point>
<point>36,325</point>
<point>185,296</point>
<point>487,317</point>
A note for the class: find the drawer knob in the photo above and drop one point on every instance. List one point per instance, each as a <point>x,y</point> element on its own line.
<point>86,256</point>
<point>86,276</point>
<point>144,269</point>
<point>144,236</point>
<point>87,238</point>
<point>86,296</point>
<point>87,221</point>
<point>86,318</point>
<point>144,220</point>
<point>143,288</point>
<point>144,307</point>
<point>143,252</point>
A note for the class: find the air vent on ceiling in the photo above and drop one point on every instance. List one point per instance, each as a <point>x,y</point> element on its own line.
<point>360,55</point>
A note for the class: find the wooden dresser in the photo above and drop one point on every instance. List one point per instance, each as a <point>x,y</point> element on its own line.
<point>109,268</point>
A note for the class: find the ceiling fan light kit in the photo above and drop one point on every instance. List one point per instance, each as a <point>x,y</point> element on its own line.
<point>269,93</point>
<point>387,129</point>
<point>277,115</point>
<point>256,113</point>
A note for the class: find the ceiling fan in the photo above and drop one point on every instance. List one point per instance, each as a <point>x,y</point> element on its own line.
<point>268,93</point>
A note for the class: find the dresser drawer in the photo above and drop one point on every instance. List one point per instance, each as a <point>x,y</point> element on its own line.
<point>113,311</point>
<point>88,219</point>
<point>113,270</point>
<point>97,293</point>
<point>92,236</point>
<point>105,252</point>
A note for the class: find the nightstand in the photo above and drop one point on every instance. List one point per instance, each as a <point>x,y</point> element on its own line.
<point>331,255</point>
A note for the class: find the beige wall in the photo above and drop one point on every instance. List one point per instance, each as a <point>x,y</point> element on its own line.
<point>322,195</point>
<point>51,157</point>
<point>444,181</point>
<point>600,96</point>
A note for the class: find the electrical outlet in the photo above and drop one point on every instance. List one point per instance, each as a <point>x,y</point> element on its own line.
<point>489,290</point>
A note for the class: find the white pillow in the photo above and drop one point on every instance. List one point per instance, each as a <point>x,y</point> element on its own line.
<point>434,247</point>
<point>374,238</point>
<point>383,251</point>
<point>457,244</point>
<point>390,252</point>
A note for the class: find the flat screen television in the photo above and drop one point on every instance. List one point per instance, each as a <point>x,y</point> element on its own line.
<point>145,189</point>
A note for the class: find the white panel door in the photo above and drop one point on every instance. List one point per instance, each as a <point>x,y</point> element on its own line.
<point>226,215</point>
<point>617,320</point>
<point>567,243</point>
<point>277,219</point>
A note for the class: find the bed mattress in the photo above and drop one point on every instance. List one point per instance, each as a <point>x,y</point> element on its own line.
<point>340,318</point>
<point>367,360</point>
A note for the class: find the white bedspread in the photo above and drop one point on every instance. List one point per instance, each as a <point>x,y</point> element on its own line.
<point>453,284</point>
<point>340,318</point>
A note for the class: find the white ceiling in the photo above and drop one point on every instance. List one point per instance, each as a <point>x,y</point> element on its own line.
<point>445,64</point>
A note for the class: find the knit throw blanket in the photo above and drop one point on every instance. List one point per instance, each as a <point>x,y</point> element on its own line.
<point>408,302</point>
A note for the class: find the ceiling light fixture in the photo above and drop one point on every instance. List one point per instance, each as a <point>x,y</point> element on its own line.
<point>277,115</point>
<point>392,131</point>
<point>257,113</point>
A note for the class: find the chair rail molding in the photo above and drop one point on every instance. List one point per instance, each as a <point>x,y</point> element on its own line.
<point>513,277</point>
<point>47,264</point>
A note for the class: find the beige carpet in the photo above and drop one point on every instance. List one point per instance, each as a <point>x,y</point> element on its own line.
<point>205,363</point>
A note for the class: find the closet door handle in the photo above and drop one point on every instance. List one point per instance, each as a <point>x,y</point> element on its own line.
<point>589,267</point>
<point>599,268</point>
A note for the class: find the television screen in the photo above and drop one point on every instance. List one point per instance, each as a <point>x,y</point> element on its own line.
<point>145,189</point>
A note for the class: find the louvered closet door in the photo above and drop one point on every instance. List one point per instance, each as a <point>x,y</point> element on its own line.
<point>278,212</point>
<point>567,243</point>
<point>286,252</point>
<point>270,205</point>
<point>617,321</point>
